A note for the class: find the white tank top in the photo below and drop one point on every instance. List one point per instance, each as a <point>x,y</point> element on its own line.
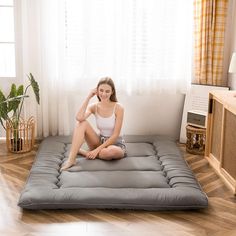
<point>106,125</point>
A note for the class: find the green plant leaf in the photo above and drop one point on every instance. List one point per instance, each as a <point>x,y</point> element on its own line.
<point>35,87</point>
<point>13,103</point>
<point>15,100</point>
<point>20,90</point>
<point>3,106</point>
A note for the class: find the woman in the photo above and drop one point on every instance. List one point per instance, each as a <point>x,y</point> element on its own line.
<point>109,114</point>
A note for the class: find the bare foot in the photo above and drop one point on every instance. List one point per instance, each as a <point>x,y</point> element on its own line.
<point>67,165</point>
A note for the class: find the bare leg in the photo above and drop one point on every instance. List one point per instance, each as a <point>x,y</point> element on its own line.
<point>112,152</point>
<point>83,130</point>
<point>82,152</point>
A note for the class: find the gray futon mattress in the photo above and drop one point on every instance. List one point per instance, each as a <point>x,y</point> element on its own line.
<point>153,176</point>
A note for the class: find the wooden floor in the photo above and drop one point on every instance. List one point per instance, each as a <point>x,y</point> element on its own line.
<point>218,220</point>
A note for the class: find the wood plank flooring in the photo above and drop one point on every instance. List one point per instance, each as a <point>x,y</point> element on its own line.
<point>219,219</point>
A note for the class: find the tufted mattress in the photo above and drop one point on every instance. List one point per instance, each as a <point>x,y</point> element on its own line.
<point>153,176</point>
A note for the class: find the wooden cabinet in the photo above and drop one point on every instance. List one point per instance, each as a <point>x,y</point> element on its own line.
<point>221,135</point>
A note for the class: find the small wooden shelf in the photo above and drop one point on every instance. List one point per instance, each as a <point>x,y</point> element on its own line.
<point>221,135</point>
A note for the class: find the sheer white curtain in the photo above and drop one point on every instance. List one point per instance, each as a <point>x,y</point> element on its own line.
<point>43,55</point>
<point>144,45</point>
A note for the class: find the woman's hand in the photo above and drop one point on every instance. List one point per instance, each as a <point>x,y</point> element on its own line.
<point>93,154</point>
<point>92,93</point>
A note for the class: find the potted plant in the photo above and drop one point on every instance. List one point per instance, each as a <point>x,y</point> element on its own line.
<point>10,114</point>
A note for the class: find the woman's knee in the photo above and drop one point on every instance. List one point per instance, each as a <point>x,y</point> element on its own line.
<point>105,154</point>
<point>81,124</point>
<point>110,153</point>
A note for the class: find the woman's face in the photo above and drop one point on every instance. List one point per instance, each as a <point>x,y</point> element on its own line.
<point>104,92</point>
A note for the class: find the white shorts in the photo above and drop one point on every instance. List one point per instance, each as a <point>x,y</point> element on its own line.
<point>120,142</point>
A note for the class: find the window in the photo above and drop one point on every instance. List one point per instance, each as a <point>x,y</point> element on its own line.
<point>7,39</point>
<point>143,45</point>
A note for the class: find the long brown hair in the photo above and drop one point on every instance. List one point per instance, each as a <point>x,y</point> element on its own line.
<point>109,81</point>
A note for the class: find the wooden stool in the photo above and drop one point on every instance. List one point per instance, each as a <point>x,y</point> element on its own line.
<point>195,140</point>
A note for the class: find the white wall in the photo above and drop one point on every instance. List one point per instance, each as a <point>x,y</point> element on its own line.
<point>158,114</point>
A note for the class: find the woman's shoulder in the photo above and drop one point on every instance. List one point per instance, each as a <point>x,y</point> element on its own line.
<point>119,106</point>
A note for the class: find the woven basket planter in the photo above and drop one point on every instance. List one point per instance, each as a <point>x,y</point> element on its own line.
<point>21,139</point>
<point>196,138</point>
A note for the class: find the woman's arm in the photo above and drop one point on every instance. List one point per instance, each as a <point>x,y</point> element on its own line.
<point>83,112</point>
